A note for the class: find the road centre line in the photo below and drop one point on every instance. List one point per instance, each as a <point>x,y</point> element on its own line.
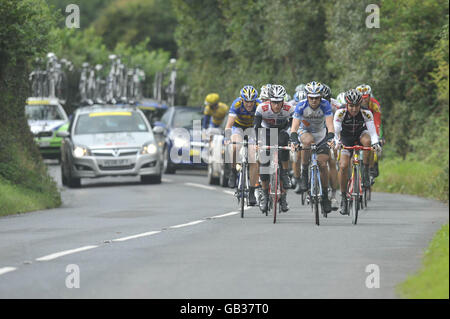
<point>188,224</point>
<point>5,270</point>
<point>64,253</point>
<point>137,236</point>
<point>224,215</point>
<point>201,186</point>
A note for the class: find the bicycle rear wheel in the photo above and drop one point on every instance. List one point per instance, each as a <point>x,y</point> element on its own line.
<point>355,198</point>
<point>275,195</point>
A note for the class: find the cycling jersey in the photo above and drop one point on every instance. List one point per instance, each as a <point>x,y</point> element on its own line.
<point>350,128</point>
<point>214,118</point>
<point>374,107</point>
<point>268,119</point>
<point>313,120</point>
<point>243,118</point>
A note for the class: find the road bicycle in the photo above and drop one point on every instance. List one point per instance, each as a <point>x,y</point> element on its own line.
<point>275,187</point>
<point>315,192</point>
<point>243,181</point>
<point>354,190</point>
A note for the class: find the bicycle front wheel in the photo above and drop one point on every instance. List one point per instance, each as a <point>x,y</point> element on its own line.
<point>242,180</point>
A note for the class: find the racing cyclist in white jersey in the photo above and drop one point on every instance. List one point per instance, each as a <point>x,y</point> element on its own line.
<point>313,123</point>
<point>277,114</point>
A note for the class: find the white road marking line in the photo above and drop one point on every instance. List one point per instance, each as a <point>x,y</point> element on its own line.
<point>5,270</point>
<point>64,253</point>
<point>137,236</point>
<point>165,180</point>
<point>229,192</point>
<point>224,215</point>
<point>188,224</point>
<point>201,186</point>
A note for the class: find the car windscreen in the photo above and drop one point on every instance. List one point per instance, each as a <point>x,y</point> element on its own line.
<point>184,118</point>
<point>110,122</point>
<point>43,113</point>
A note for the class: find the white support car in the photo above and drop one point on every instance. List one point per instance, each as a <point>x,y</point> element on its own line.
<point>109,140</point>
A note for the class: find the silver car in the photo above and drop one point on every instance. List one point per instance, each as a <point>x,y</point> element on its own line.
<point>109,141</point>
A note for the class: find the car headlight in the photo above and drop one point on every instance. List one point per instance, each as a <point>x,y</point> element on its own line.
<point>80,151</point>
<point>149,149</point>
<point>180,142</point>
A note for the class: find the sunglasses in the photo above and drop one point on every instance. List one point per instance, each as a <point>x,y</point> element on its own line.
<point>314,98</point>
<point>352,105</point>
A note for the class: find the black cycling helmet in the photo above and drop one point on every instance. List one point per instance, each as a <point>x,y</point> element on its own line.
<point>353,97</point>
<point>326,92</point>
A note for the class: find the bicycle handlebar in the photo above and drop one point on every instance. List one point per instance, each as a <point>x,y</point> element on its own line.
<point>357,148</point>
<point>267,147</point>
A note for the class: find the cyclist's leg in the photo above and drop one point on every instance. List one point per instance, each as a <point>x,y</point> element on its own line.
<point>365,141</point>
<point>264,163</point>
<point>332,179</point>
<point>253,167</point>
<point>284,156</point>
<point>306,139</point>
<point>322,159</point>
<point>236,136</point>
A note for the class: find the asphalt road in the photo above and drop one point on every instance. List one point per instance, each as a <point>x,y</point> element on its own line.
<point>184,239</point>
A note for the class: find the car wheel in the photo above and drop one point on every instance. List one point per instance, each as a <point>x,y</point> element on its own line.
<point>151,179</point>
<point>72,182</point>
<point>168,166</point>
<point>63,175</point>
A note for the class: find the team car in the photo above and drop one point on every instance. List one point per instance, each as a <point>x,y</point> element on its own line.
<point>109,140</point>
<point>45,118</point>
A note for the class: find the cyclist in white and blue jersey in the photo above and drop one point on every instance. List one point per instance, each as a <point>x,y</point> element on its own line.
<point>313,123</point>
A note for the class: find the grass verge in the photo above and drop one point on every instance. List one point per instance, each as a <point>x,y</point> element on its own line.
<point>431,282</point>
<point>16,199</point>
<point>427,180</point>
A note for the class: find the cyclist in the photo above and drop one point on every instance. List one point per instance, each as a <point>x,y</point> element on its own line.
<point>264,95</point>
<point>340,98</point>
<point>214,111</point>
<point>353,125</point>
<point>313,119</point>
<point>298,96</point>
<point>370,103</point>
<point>335,105</point>
<point>240,119</point>
<point>275,113</point>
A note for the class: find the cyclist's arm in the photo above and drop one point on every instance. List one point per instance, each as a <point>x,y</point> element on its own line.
<point>329,123</point>
<point>257,124</point>
<point>230,122</point>
<point>206,120</point>
<point>368,118</point>
<point>337,124</point>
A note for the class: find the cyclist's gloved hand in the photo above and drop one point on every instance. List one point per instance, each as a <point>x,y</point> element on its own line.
<point>294,139</point>
<point>330,139</point>
<point>377,148</point>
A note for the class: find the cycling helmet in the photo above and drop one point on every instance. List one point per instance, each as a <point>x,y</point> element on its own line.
<point>353,97</point>
<point>212,98</point>
<point>326,92</point>
<point>287,97</point>
<point>277,93</point>
<point>249,93</point>
<point>313,89</point>
<point>300,87</point>
<point>265,91</point>
<point>299,95</point>
<point>341,98</point>
<point>364,89</point>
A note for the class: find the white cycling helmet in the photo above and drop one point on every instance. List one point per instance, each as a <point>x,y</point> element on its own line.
<point>264,93</point>
<point>277,93</point>
<point>341,98</point>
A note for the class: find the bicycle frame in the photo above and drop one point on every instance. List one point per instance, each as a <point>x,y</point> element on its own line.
<point>354,185</point>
